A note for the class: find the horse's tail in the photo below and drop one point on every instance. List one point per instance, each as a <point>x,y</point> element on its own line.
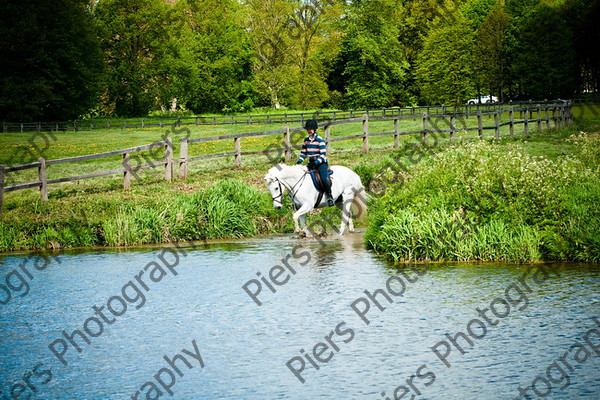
<point>360,204</point>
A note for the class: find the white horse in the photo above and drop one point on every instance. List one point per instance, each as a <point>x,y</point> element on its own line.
<point>346,189</point>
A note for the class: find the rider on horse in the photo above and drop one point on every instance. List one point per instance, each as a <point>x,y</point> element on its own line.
<point>314,147</point>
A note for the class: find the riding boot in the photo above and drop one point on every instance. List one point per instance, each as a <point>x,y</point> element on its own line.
<point>329,198</point>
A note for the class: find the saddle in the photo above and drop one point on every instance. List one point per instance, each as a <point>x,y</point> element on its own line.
<point>316,178</point>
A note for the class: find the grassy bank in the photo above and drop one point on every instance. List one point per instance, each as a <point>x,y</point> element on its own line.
<point>521,199</point>
<point>524,198</point>
<point>228,209</point>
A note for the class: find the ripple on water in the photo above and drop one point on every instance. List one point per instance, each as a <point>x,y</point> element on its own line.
<point>245,347</point>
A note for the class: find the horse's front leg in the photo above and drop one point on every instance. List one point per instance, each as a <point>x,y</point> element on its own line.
<point>301,214</point>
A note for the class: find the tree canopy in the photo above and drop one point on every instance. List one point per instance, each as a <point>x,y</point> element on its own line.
<point>70,58</point>
<point>51,61</point>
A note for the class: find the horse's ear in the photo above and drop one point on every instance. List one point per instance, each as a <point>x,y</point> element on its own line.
<point>269,178</point>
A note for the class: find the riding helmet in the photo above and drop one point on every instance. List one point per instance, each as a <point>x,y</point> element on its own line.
<point>311,124</point>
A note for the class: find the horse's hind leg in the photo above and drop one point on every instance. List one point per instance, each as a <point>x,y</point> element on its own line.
<point>296,226</point>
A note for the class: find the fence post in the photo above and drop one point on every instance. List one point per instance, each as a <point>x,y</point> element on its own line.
<point>452,127</point>
<point>570,112</point>
<point>327,138</point>
<point>554,116</point>
<point>425,126</point>
<point>539,118</point>
<point>169,160</point>
<point>562,115</point>
<point>511,114</point>
<point>127,173</point>
<point>365,126</point>
<point>526,122</point>
<point>238,151</point>
<point>183,159</point>
<point>288,146</point>
<point>43,180</point>
<point>2,173</point>
<point>480,124</point>
<point>547,119</point>
<point>396,134</point>
<point>496,127</point>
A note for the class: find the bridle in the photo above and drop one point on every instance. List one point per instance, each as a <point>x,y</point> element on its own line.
<point>280,195</point>
<point>290,189</point>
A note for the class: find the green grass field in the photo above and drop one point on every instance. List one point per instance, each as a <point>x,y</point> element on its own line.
<point>99,205</point>
<point>20,148</point>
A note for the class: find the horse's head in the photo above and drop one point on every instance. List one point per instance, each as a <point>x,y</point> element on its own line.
<point>275,186</point>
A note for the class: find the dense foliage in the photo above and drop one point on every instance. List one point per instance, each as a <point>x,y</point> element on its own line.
<point>50,63</point>
<point>481,201</point>
<point>69,58</point>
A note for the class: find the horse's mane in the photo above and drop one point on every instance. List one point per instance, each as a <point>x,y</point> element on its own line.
<point>285,171</point>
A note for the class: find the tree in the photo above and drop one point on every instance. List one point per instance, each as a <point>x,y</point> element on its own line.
<point>371,67</point>
<point>582,17</point>
<point>445,67</point>
<point>51,63</point>
<point>268,23</point>
<point>541,55</point>
<point>476,11</point>
<point>416,21</point>
<point>490,52</point>
<point>316,42</point>
<point>212,64</point>
<point>136,37</point>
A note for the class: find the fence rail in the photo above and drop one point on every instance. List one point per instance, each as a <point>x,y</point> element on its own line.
<point>540,114</point>
<point>283,118</point>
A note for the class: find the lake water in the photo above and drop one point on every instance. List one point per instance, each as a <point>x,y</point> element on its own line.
<point>436,331</point>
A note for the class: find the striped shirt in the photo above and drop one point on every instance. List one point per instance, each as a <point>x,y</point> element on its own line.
<point>314,149</point>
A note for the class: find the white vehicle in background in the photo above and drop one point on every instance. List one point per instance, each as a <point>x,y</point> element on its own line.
<point>483,100</point>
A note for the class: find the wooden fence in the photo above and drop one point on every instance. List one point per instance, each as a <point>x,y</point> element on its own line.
<point>539,115</point>
<point>127,170</point>
<point>283,118</point>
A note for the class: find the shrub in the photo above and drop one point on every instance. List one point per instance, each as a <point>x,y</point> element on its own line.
<point>518,207</point>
